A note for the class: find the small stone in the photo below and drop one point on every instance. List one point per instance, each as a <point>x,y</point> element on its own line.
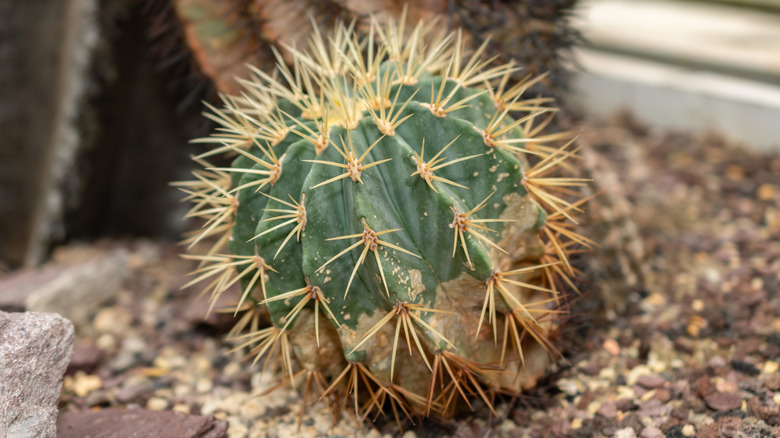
<point>770,367</point>
<point>744,367</point>
<point>689,430</point>
<point>83,384</point>
<point>767,192</point>
<point>253,409</point>
<point>608,409</point>
<point>236,428</point>
<point>576,423</point>
<point>723,401</point>
<point>704,387</point>
<point>651,381</point>
<point>662,395</point>
<point>115,320</point>
<point>697,305</point>
<point>626,432</point>
<point>131,393</point>
<point>717,362</point>
<point>611,346</point>
<point>651,432</point>
<point>106,342</point>
<point>204,385</point>
<point>183,408</point>
<point>626,404</point>
<point>568,387</point>
<point>773,382</point>
<point>157,404</point>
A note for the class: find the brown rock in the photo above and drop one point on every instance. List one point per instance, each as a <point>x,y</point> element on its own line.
<point>651,432</point>
<point>651,381</point>
<point>608,409</point>
<point>662,395</point>
<point>132,423</point>
<point>723,401</point>
<point>704,387</point>
<point>773,382</point>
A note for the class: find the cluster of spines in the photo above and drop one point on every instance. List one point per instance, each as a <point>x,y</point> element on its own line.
<point>260,118</point>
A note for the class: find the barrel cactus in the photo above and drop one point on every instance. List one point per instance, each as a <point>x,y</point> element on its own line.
<point>395,209</point>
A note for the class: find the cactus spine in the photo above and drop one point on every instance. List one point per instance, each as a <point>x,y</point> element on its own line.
<point>382,207</point>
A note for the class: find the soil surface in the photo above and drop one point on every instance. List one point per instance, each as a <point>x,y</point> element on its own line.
<point>676,333</point>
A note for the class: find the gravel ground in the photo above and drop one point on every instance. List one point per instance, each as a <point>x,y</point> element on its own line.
<point>677,332</point>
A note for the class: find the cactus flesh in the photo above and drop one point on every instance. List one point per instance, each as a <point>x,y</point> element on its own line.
<point>382,208</point>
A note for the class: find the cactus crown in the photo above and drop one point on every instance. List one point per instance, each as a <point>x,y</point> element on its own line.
<point>382,208</point>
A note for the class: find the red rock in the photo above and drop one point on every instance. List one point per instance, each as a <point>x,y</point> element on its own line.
<point>723,401</point>
<point>704,387</point>
<point>132,423</point>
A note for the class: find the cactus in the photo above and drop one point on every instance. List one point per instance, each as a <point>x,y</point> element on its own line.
<point>221,36</point>
<point>383,207</point>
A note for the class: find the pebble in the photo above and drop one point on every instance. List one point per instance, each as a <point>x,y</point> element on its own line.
<point>626,432</point>
<point>83,384</point>
<point>253,409</point>
<point>635,373</point>
<point>651,381</point>
<point>608,409</point>
<point>767,192</point>
<point>106,342</point>
<point>612,347</point>
<point>130,393</point>
<point>157,404</point>
<point>723,401</point>
<point>770,367</point>
<point>236,428</point>
<point>689,430</point>
<point>204,385</point>
<point>651,432</point>
<point>568,387</point>
<point>115,320</point>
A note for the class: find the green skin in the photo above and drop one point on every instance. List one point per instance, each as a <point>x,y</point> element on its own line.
<point>388,198</point>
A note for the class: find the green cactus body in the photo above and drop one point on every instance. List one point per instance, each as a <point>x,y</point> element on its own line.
<point>382,208</point>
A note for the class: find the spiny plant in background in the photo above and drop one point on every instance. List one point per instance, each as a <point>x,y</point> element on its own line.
<point>395,208</point>
<point>214,40</point>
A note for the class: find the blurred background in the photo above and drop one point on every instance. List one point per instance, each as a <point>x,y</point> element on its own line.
<point>99,98</point>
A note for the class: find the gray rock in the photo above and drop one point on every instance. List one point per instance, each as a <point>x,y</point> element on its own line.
<point>35,349</point>
<point>80,289</point>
